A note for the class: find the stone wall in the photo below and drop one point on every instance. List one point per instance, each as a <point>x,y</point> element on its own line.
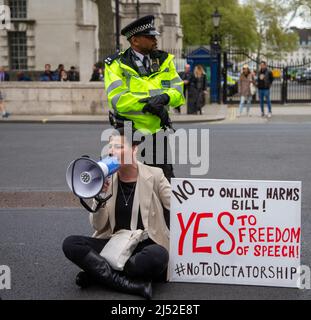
<point>51,98</point>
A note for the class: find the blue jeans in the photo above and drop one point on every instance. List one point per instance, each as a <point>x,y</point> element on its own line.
<point>264,93</point>
<point>245,100</point>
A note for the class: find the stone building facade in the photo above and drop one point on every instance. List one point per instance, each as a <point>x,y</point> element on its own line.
<point>167,19</point>
<point>66,32</point>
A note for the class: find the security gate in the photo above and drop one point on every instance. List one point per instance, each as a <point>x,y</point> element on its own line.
<point>292,82</point>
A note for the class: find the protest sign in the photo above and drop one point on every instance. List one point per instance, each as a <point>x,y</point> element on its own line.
<point>235,232</point>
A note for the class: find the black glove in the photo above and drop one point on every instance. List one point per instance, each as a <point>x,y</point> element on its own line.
<point>155,105</point>
<point>159,111</point>
<point>161,99</point>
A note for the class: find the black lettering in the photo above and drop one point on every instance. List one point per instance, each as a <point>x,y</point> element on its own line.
<point>179,195</point>
<point>296,192</point>
<point>185,183</point>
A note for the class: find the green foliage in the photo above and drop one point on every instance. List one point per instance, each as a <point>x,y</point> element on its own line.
<point>275,39</point>
<point>238,24</point>
<point>257,25</point>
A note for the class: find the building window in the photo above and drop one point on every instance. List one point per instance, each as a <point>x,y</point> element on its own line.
<point>18,50</point>
<point>18,9</point>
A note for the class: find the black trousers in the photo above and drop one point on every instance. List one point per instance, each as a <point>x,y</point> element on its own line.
<point>148,262</point>
<point>165,150</point>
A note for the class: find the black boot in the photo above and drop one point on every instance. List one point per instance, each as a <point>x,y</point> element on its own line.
<point>84,280</point>
<point>99,269</point>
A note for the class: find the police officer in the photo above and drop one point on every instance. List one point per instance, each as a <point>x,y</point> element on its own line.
<point>142,82</point>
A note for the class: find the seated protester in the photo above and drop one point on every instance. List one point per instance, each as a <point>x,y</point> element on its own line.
<point>136,188</point>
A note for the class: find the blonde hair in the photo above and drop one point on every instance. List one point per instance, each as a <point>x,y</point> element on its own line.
<point>198,71</point>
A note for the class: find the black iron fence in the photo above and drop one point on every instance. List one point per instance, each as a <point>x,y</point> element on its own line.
<point>292,81</point>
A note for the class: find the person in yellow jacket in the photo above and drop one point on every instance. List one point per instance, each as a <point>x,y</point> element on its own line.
<point>142,83</point>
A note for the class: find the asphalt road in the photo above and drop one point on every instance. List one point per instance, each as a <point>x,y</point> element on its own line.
<point>35,158</point>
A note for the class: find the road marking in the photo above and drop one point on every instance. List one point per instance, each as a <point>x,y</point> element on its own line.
<point>232,115</point>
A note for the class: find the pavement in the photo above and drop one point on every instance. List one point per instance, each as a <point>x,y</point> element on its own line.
<point>211,113</point>
<point>280,113</point>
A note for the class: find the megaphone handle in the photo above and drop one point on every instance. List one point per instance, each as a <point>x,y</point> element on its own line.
<point>99,204</point>
<point>87,207</point>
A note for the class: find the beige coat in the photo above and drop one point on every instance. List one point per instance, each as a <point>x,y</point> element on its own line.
<point>245,85</point>
<point>152,190</point>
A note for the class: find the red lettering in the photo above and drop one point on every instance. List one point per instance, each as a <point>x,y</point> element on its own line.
<point>184,231</point>
<point>196,235</point>
<point>275,251</point>
<point>241,234</point>
<point>261,235</point>
<point>242,218</point>
<point>270,234</point>
<point>252,232</point>
<point>257,251</point>
<point>220,243</point>
<point>296,236</point>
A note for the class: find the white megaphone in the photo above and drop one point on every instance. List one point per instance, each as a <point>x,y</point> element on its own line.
<point>86,177</point>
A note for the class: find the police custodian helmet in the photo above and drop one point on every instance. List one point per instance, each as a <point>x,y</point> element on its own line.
<point>141,26</point>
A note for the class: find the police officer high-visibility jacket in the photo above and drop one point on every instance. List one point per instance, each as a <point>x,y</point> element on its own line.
<point>125,86</point>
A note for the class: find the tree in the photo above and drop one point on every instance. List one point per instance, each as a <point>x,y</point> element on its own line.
<point>238,24</point>
<point>297,8</point>
<point>274,38</point>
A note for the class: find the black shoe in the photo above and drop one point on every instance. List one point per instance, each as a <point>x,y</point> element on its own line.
<point>83,280</point>
<point>101,271</point>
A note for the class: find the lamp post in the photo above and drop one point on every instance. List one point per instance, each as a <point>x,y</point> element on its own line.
<point>137,8</point>
<point>216,58</point>
<point>216,16</point>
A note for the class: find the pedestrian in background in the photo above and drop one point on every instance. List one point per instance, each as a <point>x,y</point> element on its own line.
<point>245,83</point>
<point>63,76</point>
<point>185,76</point>
<point>59,71</point>
<point>47,75</point>
<point>73,74</point>
<point>264,82</point>
<point>96,75</point>
<point>4,76</point>
<point>197,90</point>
